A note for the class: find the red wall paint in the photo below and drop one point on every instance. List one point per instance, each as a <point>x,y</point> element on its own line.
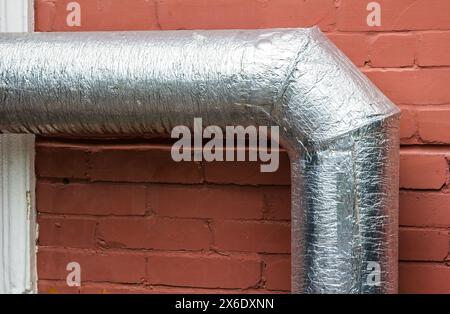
<point>407,57</point>
<point>137,221</point>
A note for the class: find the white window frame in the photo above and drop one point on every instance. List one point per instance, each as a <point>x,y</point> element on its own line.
<point>18,228</point>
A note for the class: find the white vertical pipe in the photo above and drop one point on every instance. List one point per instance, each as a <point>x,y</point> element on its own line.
<point>17,181</point>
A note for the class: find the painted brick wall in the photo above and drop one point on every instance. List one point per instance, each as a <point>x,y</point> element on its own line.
<point>96,197</point>
<point>137,221</point>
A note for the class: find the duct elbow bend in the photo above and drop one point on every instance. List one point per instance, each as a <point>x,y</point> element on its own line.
<point>343,138</point>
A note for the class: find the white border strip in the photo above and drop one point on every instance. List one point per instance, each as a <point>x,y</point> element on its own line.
<point>17,182</point>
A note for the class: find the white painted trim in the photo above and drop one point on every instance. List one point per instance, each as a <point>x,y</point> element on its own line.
<point>17,182</point>
<point>17,249</point>
<point>16,16</point>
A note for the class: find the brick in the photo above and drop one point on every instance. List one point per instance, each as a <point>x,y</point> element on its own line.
<point>97,15</point>
<point>66,232</point>
<point>220,202</point>
<point>413,86</point>
<point>56,287</point>
<point>95,265</point>
<point>424,278</point>
<point>277,202</point>
<point>408,124</point>
<point>61,162</point>
<point>142,164</point>
<point>392,50</point>
<point>269,237</point>
<point>247,172</point>
<point>108,288</point>
<point>186,290</point>
<point>434,125</point>
<point>223,14</point>
<point>433,49</point>
<point>355,46</point>
<point>278,272</point>
<point>60,287</point>
<point>205,271</point>
<point>423,244</point>
<point>226,202</point>
<point>395,15</point>
<point>179,14</point>
<point>91,199</point>
<point>422,169</point>
<point>155,233</point>
<point>424,209</point>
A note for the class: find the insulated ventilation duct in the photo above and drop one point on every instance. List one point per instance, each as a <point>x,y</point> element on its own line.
<point>340,131</point>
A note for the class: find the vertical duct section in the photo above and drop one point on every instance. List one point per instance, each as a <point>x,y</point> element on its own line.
<point>347,195</point>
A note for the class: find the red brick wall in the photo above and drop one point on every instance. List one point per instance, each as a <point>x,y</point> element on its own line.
<point>408,57</point>
<point>137,221</point>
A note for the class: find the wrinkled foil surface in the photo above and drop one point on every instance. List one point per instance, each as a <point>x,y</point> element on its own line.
<point>340,131</point>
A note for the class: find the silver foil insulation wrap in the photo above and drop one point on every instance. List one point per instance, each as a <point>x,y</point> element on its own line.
<point>340,131</point>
